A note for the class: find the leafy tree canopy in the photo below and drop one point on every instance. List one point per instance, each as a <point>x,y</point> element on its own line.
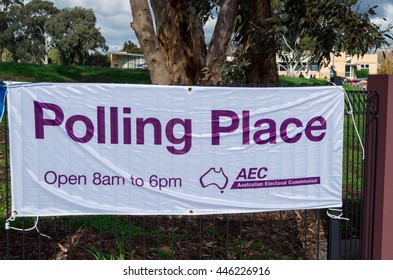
<point>30,31</point>
<point>5,4</point>
<point>254,32</point>
<point>7,56</point>
<point>6,39</point>
<point>74,33</point>
<point>54,56</point>
<point>327,26</point>
<point>27,26</point>
<point>131,47</point>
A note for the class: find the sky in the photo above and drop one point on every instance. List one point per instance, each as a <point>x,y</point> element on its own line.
<point>114,17</point>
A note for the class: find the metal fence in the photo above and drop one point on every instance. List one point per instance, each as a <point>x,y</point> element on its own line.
<point>360,114</point>
<point>306,234</point>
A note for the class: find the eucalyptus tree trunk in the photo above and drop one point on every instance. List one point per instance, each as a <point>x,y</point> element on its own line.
<point>181,37</point>
<point>144,30</point>
<point>261,51</point>
<point>223,30</point>
<point>175,48</point>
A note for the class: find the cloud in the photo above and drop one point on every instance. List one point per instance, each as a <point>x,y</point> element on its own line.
<point>364,5</point>
<point>385,18</point>
<point>388,12</point>
<point>104,8</point>
<point>113,19</point>
<point>117,30</point>
<point>384,10</point>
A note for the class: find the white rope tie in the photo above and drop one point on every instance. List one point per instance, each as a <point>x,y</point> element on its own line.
<point>35,227</point>
<point>336,217</point>
<point>350,112</point>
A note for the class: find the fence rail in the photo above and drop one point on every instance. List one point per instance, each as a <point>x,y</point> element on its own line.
<point>301,234</point>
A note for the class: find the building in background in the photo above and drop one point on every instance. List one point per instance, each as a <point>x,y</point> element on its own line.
<point>344,65</point>
<point>126,60</point>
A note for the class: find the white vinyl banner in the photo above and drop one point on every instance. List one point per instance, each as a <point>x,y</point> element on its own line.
<point>81,149</point>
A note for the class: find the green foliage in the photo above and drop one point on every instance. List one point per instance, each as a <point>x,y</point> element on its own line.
<point>205,9</point>
<point>234,72</point>
<point>120,253</point>
<point>101,257</point>
<point>104,223</point>
<point>2,201</point>
<point>98,59</point>
<point>319,28</point>
<point>27,24</point>
<point>131,47</point>
<point>3,27</point>
<point>6,37</point>
<point>362,73</point>
<point>7,56</point>
<point>8,3</point>
<point>74,34</point>
<point>30,31</point>
<point>54,56</point>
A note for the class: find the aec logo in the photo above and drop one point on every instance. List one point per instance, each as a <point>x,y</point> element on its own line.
<point>253,173</point>
<point>218,178</point>
<point>214,178</point>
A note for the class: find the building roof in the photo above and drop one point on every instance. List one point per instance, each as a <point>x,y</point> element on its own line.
<point>126,54</point>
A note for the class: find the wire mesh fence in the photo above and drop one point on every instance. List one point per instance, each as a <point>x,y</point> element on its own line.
<point>300,234</point>
<point>278,235</point>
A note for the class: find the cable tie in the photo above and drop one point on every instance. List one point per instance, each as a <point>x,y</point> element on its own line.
<point>336,217</point>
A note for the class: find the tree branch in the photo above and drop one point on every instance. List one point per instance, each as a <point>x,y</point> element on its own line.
<point>222,34</point>
<point>144,30</point>
<point>286,43</point>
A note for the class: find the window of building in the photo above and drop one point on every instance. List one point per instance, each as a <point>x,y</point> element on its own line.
<point>282,67</point>
<point>314,67</point>
<point>349,71</point>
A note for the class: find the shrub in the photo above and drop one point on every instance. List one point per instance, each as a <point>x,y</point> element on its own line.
<point>7,56</point>
<point>362,73</point>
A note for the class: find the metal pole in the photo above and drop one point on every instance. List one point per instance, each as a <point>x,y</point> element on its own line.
<point>334,236</point>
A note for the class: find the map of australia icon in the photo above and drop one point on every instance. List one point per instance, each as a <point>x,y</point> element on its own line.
<point>214,178</point>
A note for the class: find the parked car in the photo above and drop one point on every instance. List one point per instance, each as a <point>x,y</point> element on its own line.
<point>362,84</point>
<point>142,66</point>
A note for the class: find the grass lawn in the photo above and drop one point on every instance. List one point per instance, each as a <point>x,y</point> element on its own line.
<point>71,74</point>
<point>10,71</point>
<point>292,81</point>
